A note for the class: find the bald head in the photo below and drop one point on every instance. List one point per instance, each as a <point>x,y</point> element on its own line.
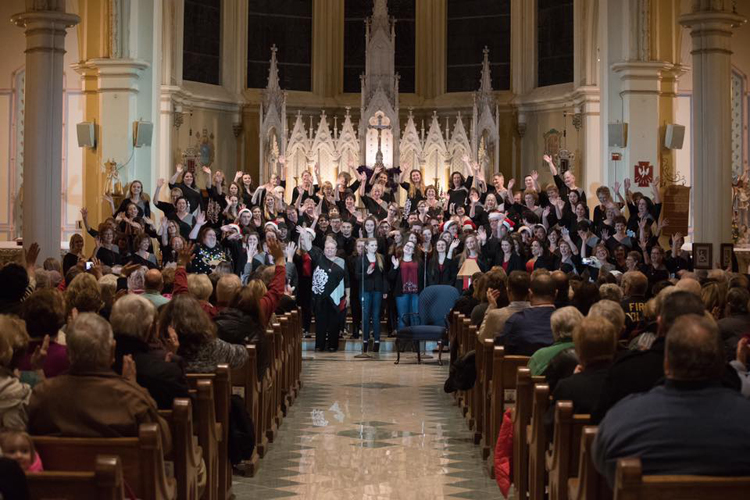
<point>694,350</point>
<point>542,289</point>
<point>689,285</point>
<point>153,280</point>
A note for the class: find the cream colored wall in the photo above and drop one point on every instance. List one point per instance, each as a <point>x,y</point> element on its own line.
<point>13,43</point>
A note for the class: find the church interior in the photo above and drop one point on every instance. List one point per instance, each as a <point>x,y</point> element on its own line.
<point>374,249</point>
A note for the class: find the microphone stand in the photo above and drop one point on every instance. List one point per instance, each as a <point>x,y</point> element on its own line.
<point>363,354</point>
<point>426,356</point>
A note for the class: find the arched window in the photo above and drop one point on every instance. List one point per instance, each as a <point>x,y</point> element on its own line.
<point>201,45</point>
<point>554,42</point>
<point>473,25</point>
<point>355,13</point>
<point>288,24</point>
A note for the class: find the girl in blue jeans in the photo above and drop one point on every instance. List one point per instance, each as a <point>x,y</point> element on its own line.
<point>370,271</point>
<point>407,279</point>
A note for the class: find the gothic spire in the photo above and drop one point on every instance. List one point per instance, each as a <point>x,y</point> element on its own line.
<point>486,81</point>
<point>273,71</point>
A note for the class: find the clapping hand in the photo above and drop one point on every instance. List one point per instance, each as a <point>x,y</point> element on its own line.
<point>40,354</point>
<point>185,255</point>
<point>128,368</point>
<point>274,248</point>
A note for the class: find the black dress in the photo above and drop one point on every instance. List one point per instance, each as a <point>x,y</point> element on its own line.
<point>327,277</point>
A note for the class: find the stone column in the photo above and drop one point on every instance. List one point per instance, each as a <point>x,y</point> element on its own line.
<point>711,30</point>
<point>42,183</point>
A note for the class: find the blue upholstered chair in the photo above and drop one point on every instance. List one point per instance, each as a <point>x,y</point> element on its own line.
<point>435,302</point>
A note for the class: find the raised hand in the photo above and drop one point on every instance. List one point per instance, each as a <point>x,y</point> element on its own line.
<point>108,199</point>
<point>40,354</point>
<point>547,158</point>
<point>200,219</point>
<point>185,255</point>
<point>128,368</point>
<point>492,298</point>
<point>237,175</point>
<point>394,261</point>
<point>30,256</point>
<point>454,244</point>
<point>206,170</point>
<point>160,183</point>
<point>172,342</point>
<point>84,213</point>
<point>546,211</point>
<point>274,248</point>
<point>534,175</point>
<point>511,184</point>
<point>282,159</point>
<point>290,250</point>
<point>617,186</point>
<point>179,168</point>
<point>626,184</point>
<point>316,169</point>
<point>605,234</point>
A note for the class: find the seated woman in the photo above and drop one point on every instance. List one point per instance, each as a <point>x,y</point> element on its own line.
<point>158,369</point>
<point>44,313</point>
<point>15,397</point>
<point>563,322</point>
<point>199,347</point>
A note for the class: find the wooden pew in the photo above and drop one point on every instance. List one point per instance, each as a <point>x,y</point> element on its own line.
<point>105,482</point>
<point>185,455</point>
<point>486,399</point>
<point>503,388</point>
<point>478,396</point>
<point>269,392</point>
<point>521,415</point>
<point>245,384</point>
<point>297,349</point>
<point>470,340</point>
<point>278,380</point>
<point>142,459</point>
<point>208,431</point>
<point>562,459</point>
<point>286,364</point>
<point>631,484</point>
<point>589,484</point>
<point>218,436</point>
<point>536,437</point>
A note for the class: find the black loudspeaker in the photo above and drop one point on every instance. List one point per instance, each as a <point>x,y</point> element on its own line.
<point>674,136</point>
<point>618,135</point>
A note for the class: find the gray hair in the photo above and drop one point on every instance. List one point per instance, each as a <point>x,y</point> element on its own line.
<point>132,315</point>
<point>90,343</point>
<point>611,311</point>
<point>564,321</point>
<point>137,279</point>
<point>610,291</point>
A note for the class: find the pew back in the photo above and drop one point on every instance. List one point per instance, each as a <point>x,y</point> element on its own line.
<point>105,482</point>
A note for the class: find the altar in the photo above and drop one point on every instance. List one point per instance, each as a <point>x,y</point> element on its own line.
<point>436,148</point>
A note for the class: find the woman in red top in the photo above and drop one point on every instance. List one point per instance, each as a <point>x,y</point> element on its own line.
<point>407,277</point>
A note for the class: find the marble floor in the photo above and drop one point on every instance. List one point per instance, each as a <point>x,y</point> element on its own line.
<point>369,429</point>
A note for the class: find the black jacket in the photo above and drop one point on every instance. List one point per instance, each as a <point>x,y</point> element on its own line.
<point>397,286</point>
<point>236,327</point>
<point>446,276</point>
<point>164,380</point>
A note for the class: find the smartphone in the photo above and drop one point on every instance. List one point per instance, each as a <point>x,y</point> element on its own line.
<point>587,261</point>
<point>89,265</point>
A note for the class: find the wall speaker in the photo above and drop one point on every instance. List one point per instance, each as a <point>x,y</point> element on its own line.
<point>618,135</point>
<point>142,132</point>
<point>86,134</point>
<point>674,136</point>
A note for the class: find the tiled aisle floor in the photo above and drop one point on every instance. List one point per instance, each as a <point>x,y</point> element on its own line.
<point>369,430</point>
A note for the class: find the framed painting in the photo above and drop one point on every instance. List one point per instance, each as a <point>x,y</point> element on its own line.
<point>727,249</point>
<point>702,255</point>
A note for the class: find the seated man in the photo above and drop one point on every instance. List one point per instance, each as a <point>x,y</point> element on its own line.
<point>494,318</point>
<point>531,329</point>
<point>92,400</point>
<point>691,424</point>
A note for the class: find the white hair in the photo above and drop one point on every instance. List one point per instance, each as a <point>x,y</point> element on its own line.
<point>90,342</point>
<point>132,315</point>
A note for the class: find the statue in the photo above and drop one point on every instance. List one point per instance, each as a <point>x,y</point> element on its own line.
<point>113,186</point>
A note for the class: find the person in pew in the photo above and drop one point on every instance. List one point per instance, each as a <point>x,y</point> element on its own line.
<point>594,341</point>
<point>563,322</point>
<point>18,446</point>
<point>494,317</point>
<point>92,400</point>
<point>12,479</point>
<point>639,371</point>
<point>529,330</point>
<point>691,424</point>
<point>15,392</point>
<point>44,314</point>
<point>153,288</point>
<point>158,369</point>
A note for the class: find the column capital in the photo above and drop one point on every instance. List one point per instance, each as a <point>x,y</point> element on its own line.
<point>112,74</point>
<point>45,19</point>
<point>714,27</point>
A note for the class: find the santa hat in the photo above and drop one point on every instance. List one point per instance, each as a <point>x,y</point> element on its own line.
<point>509,224</point>
<point>239,214</point>
<point>470,225</point>
<point>273,226</point>
<point>496,215</point>
<point>447,225</point>
<point>236,227</point>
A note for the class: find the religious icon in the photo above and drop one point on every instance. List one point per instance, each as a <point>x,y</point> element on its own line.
<point>727,250</point>
<point>644,174</point>
<point>205,147</point>
<point>702,255</point>
<point>113,186</point>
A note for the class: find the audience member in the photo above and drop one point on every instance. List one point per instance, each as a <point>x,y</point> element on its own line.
<point>44,314</point>
<point>494,318</point>
<point>92,400</point>
<point>563,322</point>
<point>691,424</point>
<point>530,329</point>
